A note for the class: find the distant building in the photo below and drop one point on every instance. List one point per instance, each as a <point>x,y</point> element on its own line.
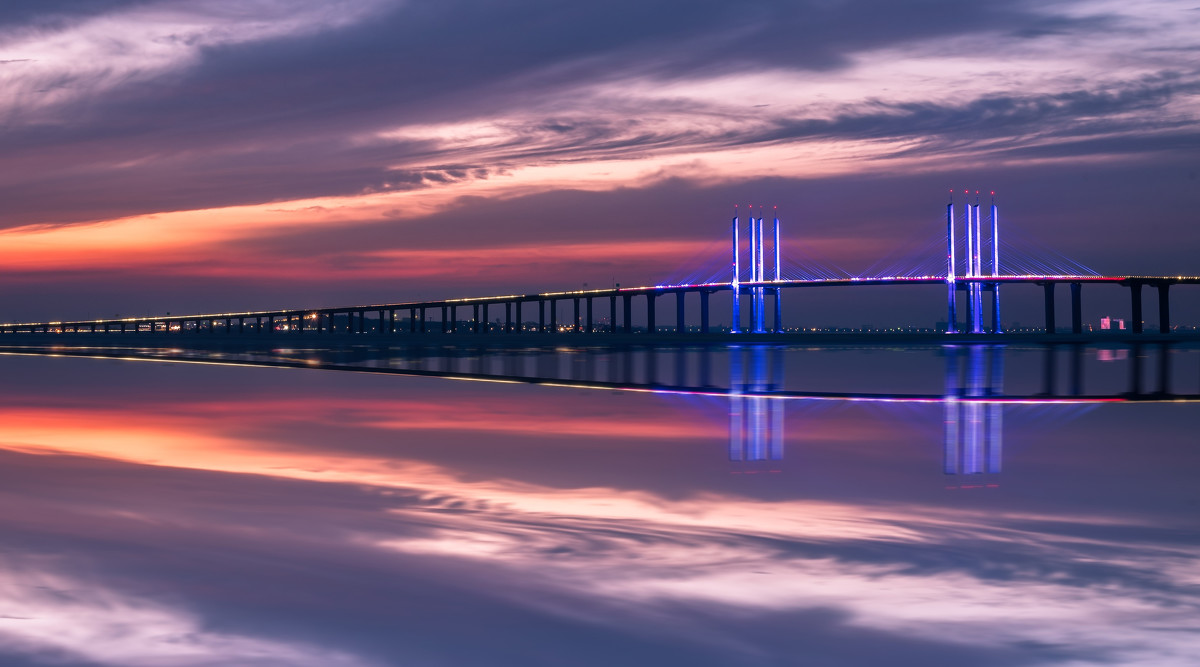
<point>1111,323</point>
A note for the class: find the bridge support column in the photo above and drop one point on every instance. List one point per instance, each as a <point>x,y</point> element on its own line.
<point>650,324</point>
<point>1135,315</point>
<point>951,314</point>
<point>778,309</point>
<point>362,321</point>
<point>970,290</point>
<point>541,316</point>
<point>996,326</point>
<point>612,314</point>
<point>1049,288</point>
<point>519,325</point>
<point>703,311</point>
<point>1164,308</point>
<point>445,320</point>
<point>508,306</point>
<point>1076,308</point>
<point>553,315</point>
<point>590,321</point>
<point>484,325</point>
<point>453,319</point>
<point>241,325</point>
<point>578,317</point>
<point>628,307</point>
<point>424,315</point>
<point>680,326</point>
<point>391,320</point>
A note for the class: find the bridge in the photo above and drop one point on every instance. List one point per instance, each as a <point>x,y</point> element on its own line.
<point>765,278</point>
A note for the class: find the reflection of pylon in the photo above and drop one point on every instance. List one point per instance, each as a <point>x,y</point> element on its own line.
<point>755,421</point>
<point>758,274</point>
<point>974,429</point>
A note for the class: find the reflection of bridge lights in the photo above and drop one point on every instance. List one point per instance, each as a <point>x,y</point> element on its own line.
<point>974,429</point>
<point>972,403</point>
<point>755,421</point>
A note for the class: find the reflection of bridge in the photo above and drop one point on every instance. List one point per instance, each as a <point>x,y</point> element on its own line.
<point>507,314</point>
<point>973,398</point>
<point>636,368</point>
<point>974,430</point>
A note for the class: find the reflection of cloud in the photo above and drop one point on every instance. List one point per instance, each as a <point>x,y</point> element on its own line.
<point>63,617</point>
<point>969,578</point>
<point>1045,586</point>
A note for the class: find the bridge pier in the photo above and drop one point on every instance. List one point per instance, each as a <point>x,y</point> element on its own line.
<point>996,326</point>
<point>703,311</point>
<point>520,323</point>
<point>553,315</point>
<point>508,306</point>
<point>1164,308</point>
<point>1049,288</point>
<point>778,302</point>
<point>650,324</point>
<point>578,317</point>
<point>680,327</point>
<point>628,307</point>
<point>541,316</point>
<point>1076,308</point>
<point>612,314</point>
<point>590,325</point>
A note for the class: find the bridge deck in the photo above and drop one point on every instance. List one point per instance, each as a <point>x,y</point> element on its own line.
<point>296,317</point>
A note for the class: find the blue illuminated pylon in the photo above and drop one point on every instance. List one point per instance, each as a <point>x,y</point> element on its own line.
<point>972,221</point>
<point>736,326</point>
<point>758,274</point>
<point>952,321</point>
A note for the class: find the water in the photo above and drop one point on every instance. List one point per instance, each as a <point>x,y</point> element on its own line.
<point>733,507</point>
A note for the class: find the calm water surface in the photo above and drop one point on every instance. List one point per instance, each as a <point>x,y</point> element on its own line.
<point>760,507</point>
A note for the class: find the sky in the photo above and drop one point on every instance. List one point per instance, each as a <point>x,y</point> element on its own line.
<point>208,156</point>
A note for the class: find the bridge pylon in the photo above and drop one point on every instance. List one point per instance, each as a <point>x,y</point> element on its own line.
<point>758,255</point>
<point>974,264</point>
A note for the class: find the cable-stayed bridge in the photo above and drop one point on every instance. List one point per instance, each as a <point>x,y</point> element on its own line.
<point>753,272</point>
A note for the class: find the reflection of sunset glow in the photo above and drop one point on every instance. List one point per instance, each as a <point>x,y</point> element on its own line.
<point>906,568</point>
